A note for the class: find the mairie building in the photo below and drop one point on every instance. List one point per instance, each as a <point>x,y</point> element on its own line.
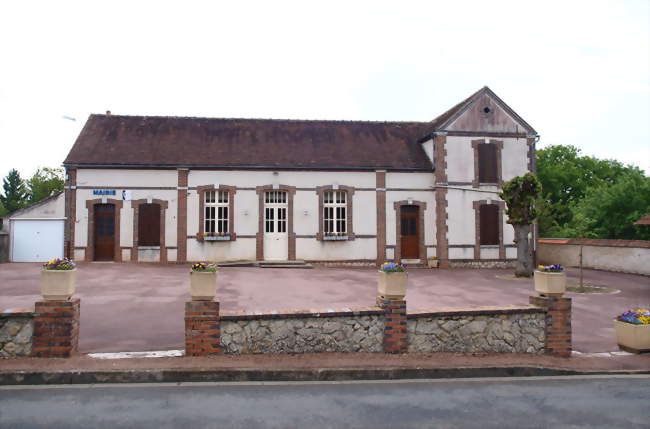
<point>177,189</point>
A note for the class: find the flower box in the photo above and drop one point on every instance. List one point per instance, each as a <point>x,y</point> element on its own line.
<point>58,285</point>
<point>550,284</point>
<point>216,237</point>
<point>631,337</point>
<point>392,285</point>
<point>203,285</point>
<point>335,237</point>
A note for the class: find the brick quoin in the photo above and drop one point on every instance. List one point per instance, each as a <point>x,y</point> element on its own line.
<point>56,328</point>
<point>395,329</point>
<point>202,328</point>
<point>558,324</point>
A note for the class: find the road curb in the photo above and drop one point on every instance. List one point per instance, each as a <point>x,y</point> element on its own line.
<point>15,378</point>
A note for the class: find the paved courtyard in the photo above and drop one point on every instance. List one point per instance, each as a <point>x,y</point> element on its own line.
<point>136,307</point>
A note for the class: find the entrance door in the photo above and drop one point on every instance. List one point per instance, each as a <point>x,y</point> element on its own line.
<point>104,232</point>
<point>409,230</point>
<point>276,242</point>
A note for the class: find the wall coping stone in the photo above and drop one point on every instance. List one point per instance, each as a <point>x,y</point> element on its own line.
<point>597,242</point>
<point>297,314</point>
<point>475,311</point>
<point>16,312</point>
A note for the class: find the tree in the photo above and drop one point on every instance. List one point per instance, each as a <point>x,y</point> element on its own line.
<point>610,210</point>
<point>566,176</point>
<point>520,195</point>
<point>44,183</point>
<point>15,194</point>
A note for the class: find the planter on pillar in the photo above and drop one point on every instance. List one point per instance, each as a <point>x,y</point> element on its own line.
<point>550,280</point>
<point>58,280</point>
<point>392,281</point>
<point>203,282</point>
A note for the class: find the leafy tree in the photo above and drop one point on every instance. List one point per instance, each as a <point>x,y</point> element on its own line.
<point>609,211</point>
<point>45,182</point>
<point>567,177</point>
<point>520,195</point>
<point>15,194</point>
<point>3,210</point>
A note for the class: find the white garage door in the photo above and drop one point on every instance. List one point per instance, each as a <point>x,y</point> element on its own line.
<point>36,240</point>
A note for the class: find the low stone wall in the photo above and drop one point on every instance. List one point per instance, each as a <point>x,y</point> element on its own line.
<point>488,329</point>
<point>16,331</point>
<point>347,330</point>
<point>482,264</point>
<point>626,256</point>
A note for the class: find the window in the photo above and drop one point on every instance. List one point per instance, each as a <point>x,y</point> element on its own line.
<point>149,225</point>
<point>216,212</point>
<point>489,224</point>
<point>487,163</point>
<point>335,213</point>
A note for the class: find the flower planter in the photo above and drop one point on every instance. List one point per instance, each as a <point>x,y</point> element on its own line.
<point>58,285</point>
<point>550,284</point>
<point>432,263</point>
<point>392,285</point>
<point>216,238</point>
<point>632,338</point>
<point>203,285</point>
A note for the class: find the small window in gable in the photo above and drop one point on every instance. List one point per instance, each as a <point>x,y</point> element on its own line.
<point>489,227</point>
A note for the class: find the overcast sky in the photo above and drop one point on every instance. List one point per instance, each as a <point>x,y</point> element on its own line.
<point>576,71</point>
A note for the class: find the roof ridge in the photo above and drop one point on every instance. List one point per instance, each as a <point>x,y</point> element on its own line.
<point>337,121</point>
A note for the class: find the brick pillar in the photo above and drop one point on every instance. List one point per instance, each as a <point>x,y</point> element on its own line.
<point>56,328</point>
<point>558,324</point>
<point>181,215</point>
<point>380,180</point>
<point>202,328</point>
<point>395,333</point>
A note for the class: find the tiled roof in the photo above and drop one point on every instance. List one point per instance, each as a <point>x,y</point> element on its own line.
<point>113,140</point>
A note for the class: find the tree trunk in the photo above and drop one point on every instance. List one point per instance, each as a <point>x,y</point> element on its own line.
<point>524,258</point>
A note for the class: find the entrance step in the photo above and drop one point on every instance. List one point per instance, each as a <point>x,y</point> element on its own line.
<point>284,264</point>
<point>243,263</point>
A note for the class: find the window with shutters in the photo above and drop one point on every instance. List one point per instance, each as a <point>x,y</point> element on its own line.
<point>216,206</point>
<point>489,224</point>
<point>149,225</point>
<point>334,213</point>
<point>487,163</point>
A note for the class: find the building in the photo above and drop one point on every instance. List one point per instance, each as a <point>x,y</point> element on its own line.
<point>175,189</point>
<point>36,232</point>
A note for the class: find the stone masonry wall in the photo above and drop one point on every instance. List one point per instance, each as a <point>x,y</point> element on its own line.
<point>482,264</point>
<point>502,330</point>
<point>16,331</point>
<point>303,332</point>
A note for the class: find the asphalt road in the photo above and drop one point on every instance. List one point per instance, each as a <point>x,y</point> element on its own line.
<point>557,402</point>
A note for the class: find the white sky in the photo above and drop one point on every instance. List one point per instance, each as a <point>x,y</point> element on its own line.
<point>576,71</point>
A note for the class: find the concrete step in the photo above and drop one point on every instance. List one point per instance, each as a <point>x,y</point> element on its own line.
<point>243,263</point>
<point>283,264</point>
<point>288,266</point>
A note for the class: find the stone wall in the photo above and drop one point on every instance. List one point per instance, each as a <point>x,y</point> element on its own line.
<point>495,330</point>
<point>303,332</point>
<point>16,331</point>
<point>626,256</point>
<point>482,264</point>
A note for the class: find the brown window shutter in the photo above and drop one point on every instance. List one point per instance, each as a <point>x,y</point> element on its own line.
<point>489,224</point>
<point>149,225</point>
<point>487,163</point>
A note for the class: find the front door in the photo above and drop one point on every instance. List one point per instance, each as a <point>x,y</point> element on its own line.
<point>104,235</point>
<point>276,242</point>
<point>409,231</point>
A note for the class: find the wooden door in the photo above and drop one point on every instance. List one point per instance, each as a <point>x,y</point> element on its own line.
<point>104,234</point>
<point>409,229</point>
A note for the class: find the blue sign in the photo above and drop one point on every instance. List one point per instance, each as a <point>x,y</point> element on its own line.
<point>103,191</point>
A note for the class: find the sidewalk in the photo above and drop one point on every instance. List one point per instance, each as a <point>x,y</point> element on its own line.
<point>82,369</point>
